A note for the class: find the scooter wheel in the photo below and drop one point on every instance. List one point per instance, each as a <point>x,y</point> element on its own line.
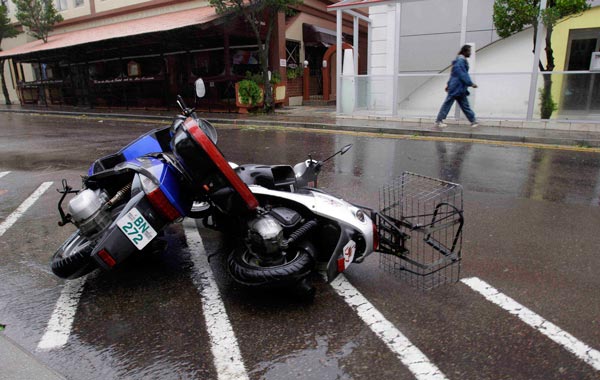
<point>73,258</point>
<point>246,269</point>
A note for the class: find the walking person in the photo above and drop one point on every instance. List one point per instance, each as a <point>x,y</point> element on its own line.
<point>458,89</point>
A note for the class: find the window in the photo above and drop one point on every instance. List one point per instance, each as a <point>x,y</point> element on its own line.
<point>581,92</point>
<point>61,5</point>
<point>292,49</point>
<point>79,3</point>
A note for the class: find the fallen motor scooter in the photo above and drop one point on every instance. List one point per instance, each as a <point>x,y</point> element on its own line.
<point>282,225</point>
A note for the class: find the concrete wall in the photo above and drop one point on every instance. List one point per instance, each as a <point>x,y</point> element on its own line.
<point>430,31</point>
<point>498,96</point>
<point>429,37</point>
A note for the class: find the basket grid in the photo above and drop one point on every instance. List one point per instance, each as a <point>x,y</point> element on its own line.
<point>420,224</point>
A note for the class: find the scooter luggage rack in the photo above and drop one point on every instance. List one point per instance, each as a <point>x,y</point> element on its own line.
<point>420,226</point>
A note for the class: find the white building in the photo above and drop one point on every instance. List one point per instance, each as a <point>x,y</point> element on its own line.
<point>411,46</point>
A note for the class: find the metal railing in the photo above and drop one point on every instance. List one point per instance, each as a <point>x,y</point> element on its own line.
<point>500,95</point>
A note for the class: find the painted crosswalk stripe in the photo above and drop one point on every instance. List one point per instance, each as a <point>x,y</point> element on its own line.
<point>12,218</point>
<point>568,341</point>
<point>2,174</point>
<point>224,347</point>
<point>60,324</point>
<point>408,353</point>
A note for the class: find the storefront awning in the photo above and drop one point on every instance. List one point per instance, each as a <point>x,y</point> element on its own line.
<point>165,22</point>
<point>317,36</point>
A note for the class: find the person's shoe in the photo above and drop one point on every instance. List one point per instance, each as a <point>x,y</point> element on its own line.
<point>439,124</point>
<point>474,124</point>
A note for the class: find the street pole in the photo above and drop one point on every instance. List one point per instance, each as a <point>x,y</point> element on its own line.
<point>536,59</point>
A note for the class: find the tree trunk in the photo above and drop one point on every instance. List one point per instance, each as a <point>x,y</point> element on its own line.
<point>547,104</point>
<point>4,88</point>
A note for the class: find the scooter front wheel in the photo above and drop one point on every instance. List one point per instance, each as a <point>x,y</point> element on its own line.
<point>73,258</point>
<point>246,269</point>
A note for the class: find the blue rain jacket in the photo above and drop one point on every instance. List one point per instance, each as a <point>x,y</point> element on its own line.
<point>460,81</point>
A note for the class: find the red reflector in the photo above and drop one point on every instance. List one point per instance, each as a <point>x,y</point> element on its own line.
<point>375,238</point>
<point>162,205</point>
<point>341,265</point>
<point>215,155</point>
<point>107,258</point>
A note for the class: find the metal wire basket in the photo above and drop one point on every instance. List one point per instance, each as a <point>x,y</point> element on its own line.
<point>420,225</point>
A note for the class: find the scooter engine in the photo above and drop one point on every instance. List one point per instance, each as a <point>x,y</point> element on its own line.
<point>87,212</point>
<point>267,234</point>
<point>265,237</point>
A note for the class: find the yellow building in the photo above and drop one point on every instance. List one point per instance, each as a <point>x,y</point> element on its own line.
<point>574,39</point>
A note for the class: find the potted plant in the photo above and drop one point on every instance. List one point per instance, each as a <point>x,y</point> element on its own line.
<point>248,94</point>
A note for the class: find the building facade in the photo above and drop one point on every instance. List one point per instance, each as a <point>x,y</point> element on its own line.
<point>141,53</point>
<point>413,43</point>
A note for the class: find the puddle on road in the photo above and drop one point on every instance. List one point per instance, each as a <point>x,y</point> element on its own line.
<point>318,363</point>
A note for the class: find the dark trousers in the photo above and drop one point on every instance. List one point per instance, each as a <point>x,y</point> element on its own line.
<point>463,103</point>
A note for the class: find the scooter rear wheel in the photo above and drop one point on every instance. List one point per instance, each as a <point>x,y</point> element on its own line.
<point>73,258</point>
<point>246,269</point>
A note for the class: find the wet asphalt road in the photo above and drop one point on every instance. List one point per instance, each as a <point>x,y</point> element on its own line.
<point>532,218</point>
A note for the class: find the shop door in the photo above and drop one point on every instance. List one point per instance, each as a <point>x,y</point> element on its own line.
<point>314,56</point>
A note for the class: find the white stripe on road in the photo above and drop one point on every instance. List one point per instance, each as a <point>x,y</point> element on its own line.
<point>59,327</point>
<point>407,352</point>
<point>224,347</point>
<point>568,341</point>
<point>12,218</point>
<point>2,174</point>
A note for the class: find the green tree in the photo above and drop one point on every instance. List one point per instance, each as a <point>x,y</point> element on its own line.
<point>512,16</point>
<point>7,30</point>
<point>39,16</point>
<point>258,14</point>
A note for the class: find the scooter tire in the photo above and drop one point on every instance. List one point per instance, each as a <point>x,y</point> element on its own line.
<point>73,258</point>
<point>251,274</point>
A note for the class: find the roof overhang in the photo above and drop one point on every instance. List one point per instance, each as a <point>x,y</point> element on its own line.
<point>355,4</point>
<point>160,23</point>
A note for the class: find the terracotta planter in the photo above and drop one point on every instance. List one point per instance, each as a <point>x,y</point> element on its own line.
<point>244,107</point>
<point>279,93</point>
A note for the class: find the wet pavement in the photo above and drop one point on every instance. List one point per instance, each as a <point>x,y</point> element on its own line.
<point>532,217</point>
<point>564,132</point>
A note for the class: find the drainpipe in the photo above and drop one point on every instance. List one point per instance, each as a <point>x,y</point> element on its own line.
<point>396,53</point>
<point>338,56</point>
<point>463,41</point>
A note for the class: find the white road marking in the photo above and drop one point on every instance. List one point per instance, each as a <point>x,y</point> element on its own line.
<point>408,353</point>
<point>60,324</point>
<point>568,341</point>
<point>12,218</point>
<point>224,347</point>
<point>2,174</point>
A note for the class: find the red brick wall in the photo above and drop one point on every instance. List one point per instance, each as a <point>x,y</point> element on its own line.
<point>294,87</point>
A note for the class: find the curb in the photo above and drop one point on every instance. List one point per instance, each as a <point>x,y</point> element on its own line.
<point>589,141</point>
<point>19,364</point>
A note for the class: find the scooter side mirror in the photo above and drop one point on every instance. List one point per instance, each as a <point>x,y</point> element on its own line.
<point>200,88</point>
<point>345,149</point>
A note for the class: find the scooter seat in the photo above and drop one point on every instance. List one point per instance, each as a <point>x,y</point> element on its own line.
<point>274,177</point>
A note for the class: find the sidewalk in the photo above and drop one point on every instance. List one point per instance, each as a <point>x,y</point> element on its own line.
<point>540,132</point>
<point>18,364</point>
